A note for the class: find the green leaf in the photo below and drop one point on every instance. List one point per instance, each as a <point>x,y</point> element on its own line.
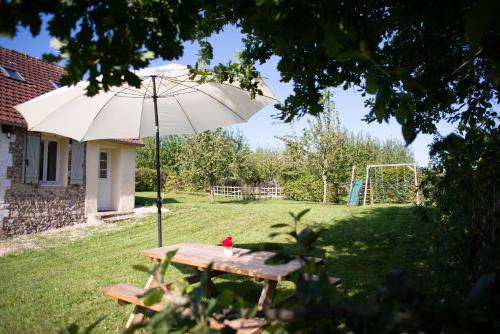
<point>152,296</point>
<point>70,329</point>
<point>371,84</point>
<point>57,43</point>
<point>279,225</point>
<point>141,267</point>
<point>409,132</point>
<point>405,109</point>
<point>166,261</point>
<point>147,55</point>
<point>379,112</point>
<point>91,327</point>
<point>274,234</point>
<point>301,214</point>
<point>225,298</point>
<point>307,237</point>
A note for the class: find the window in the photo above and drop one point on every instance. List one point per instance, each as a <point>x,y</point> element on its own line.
<point>49,162</point>
<point>103,165</point>
<point>55,83</point>
<point>12,73</point>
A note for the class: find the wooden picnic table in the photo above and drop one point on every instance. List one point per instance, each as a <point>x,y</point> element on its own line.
<point>201,257</point>
<point>243,262</point>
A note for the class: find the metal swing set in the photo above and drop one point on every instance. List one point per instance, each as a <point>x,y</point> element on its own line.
<point>386,183</point>
<point>380,189</point>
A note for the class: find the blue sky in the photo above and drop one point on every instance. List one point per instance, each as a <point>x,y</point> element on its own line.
<point>262,128</point>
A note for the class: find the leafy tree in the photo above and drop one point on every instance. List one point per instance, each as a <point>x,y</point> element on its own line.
<point>463,184</point>
<point>419,61</point>
<point>214,155</point>
<point>262,165</point>
<point>324,142</point>
<point>294,158</point>
<point>170,149</point>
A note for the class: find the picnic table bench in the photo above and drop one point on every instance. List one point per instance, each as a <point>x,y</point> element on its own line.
<point>201,257</point>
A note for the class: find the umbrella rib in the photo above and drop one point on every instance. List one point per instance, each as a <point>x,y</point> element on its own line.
<point>226,84</point>
<point>131,93</point>
<point>140,121</point>
<point>161,80</point>
<point>177,92</point>
<point>210,96</point>
<point>179,103</point>
<point>147,88</point>
<point>221,83</point>
<point>177,83</point>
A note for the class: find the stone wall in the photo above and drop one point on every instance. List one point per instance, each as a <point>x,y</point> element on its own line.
<point>5,182</point>
<point>35,208</point>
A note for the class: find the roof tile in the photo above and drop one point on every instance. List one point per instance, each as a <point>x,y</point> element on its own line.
<point>37,74</point>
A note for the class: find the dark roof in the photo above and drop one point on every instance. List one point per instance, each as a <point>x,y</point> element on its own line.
<point>37,76</point>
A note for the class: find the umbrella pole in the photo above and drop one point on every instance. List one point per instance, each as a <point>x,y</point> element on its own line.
<point>158,174</point>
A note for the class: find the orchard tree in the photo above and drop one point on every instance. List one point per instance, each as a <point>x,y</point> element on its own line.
<point>262,165</point>
<point>170,150</point>
<point>325,143</point>
<point>212,154</point>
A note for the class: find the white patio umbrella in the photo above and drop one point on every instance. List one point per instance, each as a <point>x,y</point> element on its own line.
<point>167,103</point>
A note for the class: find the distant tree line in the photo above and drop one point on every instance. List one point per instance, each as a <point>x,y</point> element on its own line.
<point>313,166</point>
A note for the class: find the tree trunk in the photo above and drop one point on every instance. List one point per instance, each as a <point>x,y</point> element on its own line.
<point>212,181</point>
<point>324,176</point>
<point>212,193</point>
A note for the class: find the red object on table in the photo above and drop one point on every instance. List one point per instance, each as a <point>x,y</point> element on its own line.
<point>227,242</point>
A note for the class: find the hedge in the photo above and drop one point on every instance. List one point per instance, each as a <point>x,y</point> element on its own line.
<point>145,179</point>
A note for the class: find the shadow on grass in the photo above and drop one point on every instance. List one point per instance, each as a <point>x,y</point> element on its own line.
<point>361,250</point>
<point>236,201</point>
<point>148,201</point>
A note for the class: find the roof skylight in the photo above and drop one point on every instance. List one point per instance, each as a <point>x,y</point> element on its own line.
<point>11,73</point>
<point>56,83</point>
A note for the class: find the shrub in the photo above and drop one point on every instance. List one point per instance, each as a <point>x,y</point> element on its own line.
<point>183,181</point>
<point>306,187</point>
<point>145,179</point>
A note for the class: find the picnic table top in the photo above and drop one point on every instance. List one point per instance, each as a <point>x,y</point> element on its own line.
<point>241,263</point>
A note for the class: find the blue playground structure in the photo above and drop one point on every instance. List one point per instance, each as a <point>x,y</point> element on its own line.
<point>354,194</point>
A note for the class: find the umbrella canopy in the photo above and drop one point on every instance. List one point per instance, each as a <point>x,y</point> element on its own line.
<point>184,107</point>
<point>168,102</point>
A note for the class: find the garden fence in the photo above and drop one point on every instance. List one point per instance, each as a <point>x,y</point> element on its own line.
<point>248,192</point>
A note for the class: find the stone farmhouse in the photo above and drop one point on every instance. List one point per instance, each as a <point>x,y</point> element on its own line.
<point>48,181</point>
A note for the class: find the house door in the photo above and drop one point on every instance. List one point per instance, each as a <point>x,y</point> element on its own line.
<point>104,174</point>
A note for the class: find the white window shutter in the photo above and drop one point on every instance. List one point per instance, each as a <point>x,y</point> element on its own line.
<point>32,162</point>
<point>77,162</point>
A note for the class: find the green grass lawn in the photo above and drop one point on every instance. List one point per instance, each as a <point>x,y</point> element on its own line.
<point>61,283</point>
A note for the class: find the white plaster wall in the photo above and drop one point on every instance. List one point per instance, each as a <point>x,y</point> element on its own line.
<point>127,178</point>
<point>5,162</point>
<point>91,186</point>
<point>122,176</point>
<point>116,178</point>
